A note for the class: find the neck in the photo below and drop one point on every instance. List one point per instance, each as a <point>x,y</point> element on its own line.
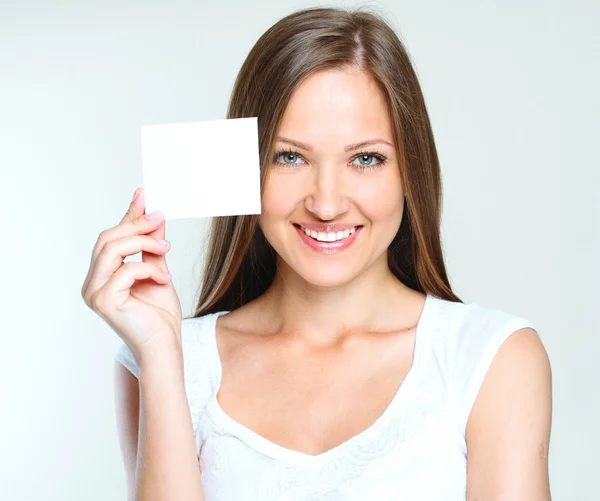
<point>373,301</point>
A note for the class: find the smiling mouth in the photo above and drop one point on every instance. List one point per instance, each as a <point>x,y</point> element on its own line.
<point>329,237</point>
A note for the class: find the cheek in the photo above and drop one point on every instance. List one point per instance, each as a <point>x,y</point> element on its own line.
<point>278,201</point>
<point>381,200</point>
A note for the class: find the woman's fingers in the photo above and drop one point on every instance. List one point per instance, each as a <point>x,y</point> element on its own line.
<point>114,252</point>
<point>135,211</point>
<point>131,224</point>
<point>135,222</point>
<point>115,292</point>
<point>136,207</point>
<point>139,226</point>
<point>159,260</point>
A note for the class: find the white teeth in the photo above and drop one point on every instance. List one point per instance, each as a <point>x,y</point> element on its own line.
<point>330,236</point>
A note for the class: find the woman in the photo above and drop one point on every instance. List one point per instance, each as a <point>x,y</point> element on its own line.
<point>328,357</point>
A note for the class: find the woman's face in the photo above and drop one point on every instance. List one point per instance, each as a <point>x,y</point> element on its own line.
<point>322,181</point>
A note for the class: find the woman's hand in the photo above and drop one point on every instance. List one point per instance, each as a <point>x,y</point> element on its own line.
<point>137,300</point>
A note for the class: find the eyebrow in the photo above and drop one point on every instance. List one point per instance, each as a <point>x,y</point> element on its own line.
<point>349,147</point>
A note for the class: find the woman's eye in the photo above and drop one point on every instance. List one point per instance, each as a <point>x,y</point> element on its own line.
<point>288,158</point>
<point>364,160</point>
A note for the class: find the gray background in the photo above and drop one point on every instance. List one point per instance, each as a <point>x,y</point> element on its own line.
<point>512,90</point>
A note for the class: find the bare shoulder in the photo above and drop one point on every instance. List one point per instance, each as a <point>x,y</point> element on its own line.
<point>519,373</point>
<point>508,430</point>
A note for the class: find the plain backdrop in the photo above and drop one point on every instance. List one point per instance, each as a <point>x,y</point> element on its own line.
<point>512,91</point>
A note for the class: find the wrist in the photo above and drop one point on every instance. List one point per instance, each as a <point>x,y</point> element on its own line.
<point>160,353</point>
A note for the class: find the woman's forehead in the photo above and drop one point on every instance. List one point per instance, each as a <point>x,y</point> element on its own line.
<point>338,109</point>
<point>336,93</point>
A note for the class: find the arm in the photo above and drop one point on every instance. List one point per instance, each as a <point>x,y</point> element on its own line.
<point>160,460</point>
<point>127,406</point>
<point>508,430</point>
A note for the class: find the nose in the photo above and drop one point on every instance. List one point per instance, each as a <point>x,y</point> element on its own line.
<point>327,198</point>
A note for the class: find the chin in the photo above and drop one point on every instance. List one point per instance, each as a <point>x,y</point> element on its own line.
<point>324,275</point>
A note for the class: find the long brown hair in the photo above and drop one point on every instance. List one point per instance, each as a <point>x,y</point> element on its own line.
<point>240,263</point>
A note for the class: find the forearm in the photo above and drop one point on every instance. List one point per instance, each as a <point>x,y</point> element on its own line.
<point>167,464</point>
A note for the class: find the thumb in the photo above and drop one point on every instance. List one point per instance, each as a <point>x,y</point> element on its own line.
<point>159,234</point>
<point>159,260</point>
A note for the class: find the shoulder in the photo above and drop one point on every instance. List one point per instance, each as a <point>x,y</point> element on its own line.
<point>470,331</point>
<point>519,376</point>
<point>516,373</point>
<point>469,337</point>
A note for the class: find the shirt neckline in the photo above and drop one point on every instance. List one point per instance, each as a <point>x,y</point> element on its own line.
<point>230,426</point>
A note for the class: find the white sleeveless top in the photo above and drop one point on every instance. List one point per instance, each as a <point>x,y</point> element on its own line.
<point>415,451</point>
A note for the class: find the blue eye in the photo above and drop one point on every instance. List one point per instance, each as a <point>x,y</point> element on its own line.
<point>287,153</point>
<point>381,160</point>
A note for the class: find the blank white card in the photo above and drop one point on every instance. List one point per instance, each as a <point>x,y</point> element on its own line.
<point>202,169</point>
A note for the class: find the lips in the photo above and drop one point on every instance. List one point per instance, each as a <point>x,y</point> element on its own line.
<point>328,247</point>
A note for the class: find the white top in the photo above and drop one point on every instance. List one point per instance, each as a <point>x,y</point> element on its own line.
<point>415,451</point>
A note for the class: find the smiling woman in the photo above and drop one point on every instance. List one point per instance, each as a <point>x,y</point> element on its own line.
<point>335,182</point>
<point>328,357</point>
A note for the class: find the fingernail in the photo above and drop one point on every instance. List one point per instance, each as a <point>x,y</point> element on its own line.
<point>135,195</point>
<point>154,215</point>
<point>167,273</point>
